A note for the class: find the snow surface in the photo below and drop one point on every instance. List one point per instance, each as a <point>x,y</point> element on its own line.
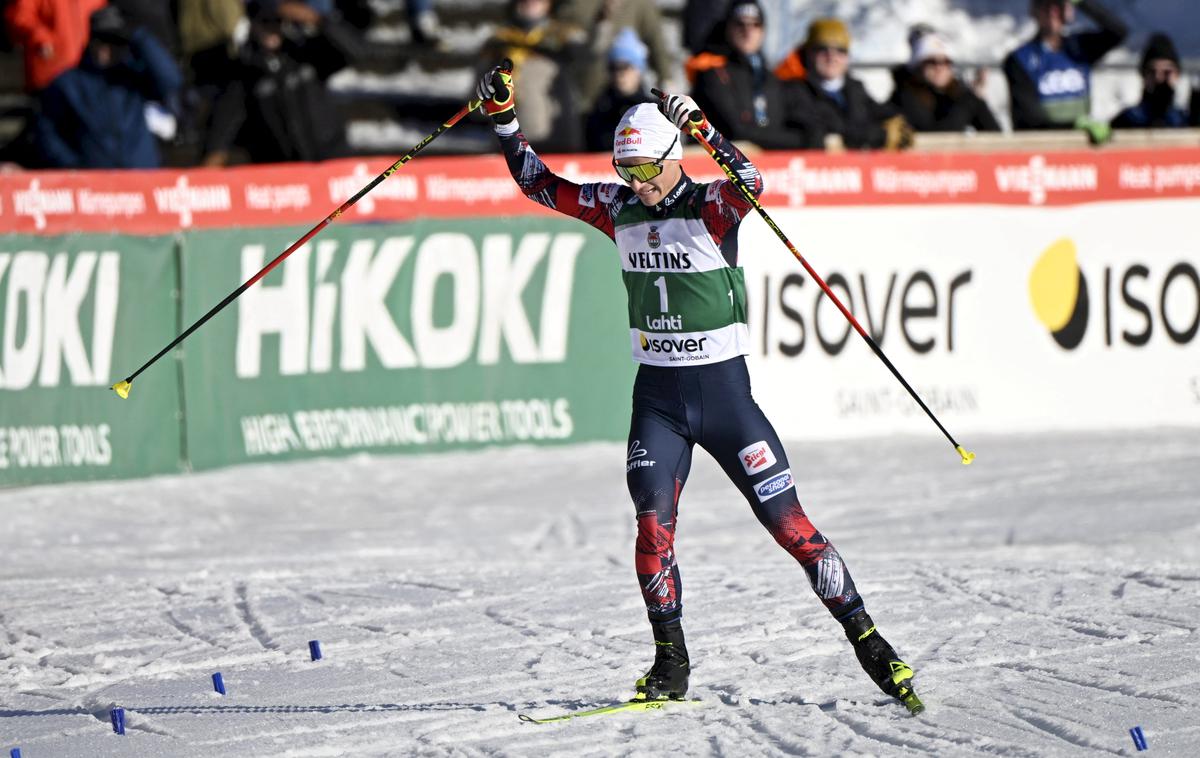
<point>1048,597</point>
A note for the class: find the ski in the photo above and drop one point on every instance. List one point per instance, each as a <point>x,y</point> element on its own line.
<point>631,705</point>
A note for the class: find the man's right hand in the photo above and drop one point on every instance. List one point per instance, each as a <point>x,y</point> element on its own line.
<point>498,94</point>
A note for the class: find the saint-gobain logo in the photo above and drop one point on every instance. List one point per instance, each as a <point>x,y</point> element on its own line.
<point>653,238</point>
<point>773,486</point>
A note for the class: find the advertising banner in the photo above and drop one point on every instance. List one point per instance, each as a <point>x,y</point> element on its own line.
<point>162,202</point>
<point>1004,319</point>
<point>405,337</point>
<point>74,312</point>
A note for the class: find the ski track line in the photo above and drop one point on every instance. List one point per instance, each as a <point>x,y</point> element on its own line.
<point>250,619</point>
<point>1060,732</point>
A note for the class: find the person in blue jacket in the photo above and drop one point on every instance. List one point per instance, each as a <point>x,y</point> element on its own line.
<point>1160,76</point>
<point>94,115</point>
<point>1049,77</point>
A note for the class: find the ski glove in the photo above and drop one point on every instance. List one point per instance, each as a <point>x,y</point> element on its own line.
<point>679,108</point>
<point>498,94</point>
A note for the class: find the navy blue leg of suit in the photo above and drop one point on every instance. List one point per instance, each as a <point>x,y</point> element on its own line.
<point>676,408</point>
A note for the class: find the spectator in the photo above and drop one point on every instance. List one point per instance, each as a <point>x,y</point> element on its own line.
<point>1049,76</point>
<point>544,52</point>
<point>902,72</point>
<point>53,34</point>
<point>824,99</point>
<point>1160,75</point>
<point>277,106</point>
<point>156,17</point>
<point>627,65</point>
<point>94,115</point>
<point>738,93</point>
<point>933,99</point>
<point>210,33</point>
<point>703,25</point>
<point>604,19</point>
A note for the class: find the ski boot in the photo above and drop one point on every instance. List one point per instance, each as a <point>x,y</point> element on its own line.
<point>880,661</point>
<point>667,679</point>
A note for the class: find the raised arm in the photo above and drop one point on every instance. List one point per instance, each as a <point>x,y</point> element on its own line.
<point>725,204</point>
<point>593,203</point>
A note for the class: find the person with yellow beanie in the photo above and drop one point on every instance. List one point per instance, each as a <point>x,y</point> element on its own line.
<point>827,100</point>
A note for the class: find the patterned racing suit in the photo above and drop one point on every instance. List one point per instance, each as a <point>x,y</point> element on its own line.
<point>688,332</point>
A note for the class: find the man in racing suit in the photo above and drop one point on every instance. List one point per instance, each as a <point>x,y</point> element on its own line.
<point>677,245</point>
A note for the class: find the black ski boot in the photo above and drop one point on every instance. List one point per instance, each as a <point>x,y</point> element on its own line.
<point>667,679</point>
<point>880,661</point>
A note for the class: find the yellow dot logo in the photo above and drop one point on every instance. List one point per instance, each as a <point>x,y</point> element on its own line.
<point>645,342</point>
<point>1059,294</point>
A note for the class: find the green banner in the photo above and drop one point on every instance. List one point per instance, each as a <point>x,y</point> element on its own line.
<point>423,336</point>
<point>75,312</point>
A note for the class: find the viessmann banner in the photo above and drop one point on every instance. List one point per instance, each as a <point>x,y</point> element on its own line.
<point>1049,312</point>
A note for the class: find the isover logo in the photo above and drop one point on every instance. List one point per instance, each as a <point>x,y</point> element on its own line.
<point>1149,298</point>
<point>1059,294</point>
<point>669,345</point>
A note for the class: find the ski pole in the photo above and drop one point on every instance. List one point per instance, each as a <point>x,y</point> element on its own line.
<point>123,387</point>
<point>697,118</point>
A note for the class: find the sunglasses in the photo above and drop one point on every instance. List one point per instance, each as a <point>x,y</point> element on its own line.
<point>830,49</point>
<point>644,172</point>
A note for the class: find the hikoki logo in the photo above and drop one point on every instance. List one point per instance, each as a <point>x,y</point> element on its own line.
<point>781,482</point>
<point>1059,294</point>
<point>653,238</point>
<point>757,457</point>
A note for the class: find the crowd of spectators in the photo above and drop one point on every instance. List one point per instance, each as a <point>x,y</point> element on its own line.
<point>246,80</point>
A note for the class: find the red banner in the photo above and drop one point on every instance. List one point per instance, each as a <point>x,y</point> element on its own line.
<point>160,202</point>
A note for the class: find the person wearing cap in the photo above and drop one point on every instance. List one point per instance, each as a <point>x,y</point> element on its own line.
<point>1160,76</point>
<point>933,99</point>
<point>627,65</point>
<point>1049,77</point>
<point>94,115</point>
<point>736,88</point>
<point>824,99</point>
<point>677,245</point>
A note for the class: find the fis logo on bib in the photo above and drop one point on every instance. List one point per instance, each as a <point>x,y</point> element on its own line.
<point>773,486</point>
<point>757,458</point>
<point>653,238</point>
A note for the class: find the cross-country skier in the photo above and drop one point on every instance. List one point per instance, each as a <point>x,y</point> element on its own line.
<point>687,316</point>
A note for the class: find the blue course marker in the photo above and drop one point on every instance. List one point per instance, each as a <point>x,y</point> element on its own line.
<point>218,683</point>
<point>314,649</point>
<point>1139,739</point>
<point>118,720</point>
<point>14,753</point>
